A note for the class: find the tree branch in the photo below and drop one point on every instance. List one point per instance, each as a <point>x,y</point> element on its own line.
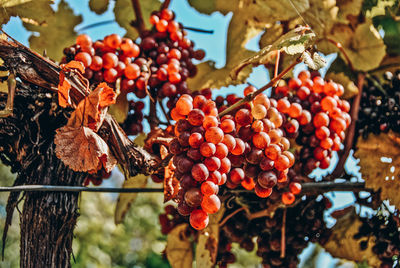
<point>251,96</point>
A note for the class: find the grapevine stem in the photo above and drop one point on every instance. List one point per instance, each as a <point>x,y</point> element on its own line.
<point>198,30</point>
<point>251,96</point>
<point>138,22</point>
<point>164,112</point>
<point>283,234</point>
<point>339,169</point>
<point>341,49</point>
<point>222,223</point>
<point>165,4</point>
<point>278,57</point>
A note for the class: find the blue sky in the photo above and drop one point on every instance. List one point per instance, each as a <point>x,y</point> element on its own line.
<point>214,45</point>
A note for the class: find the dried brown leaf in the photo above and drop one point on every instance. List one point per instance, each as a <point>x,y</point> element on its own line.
<point>380,164</point>
<point>179,247</point>
<point>207,245</point>
<point>171,183</point>
<point>81,149</point>
<point>341,243</point>
<point>91,110</point>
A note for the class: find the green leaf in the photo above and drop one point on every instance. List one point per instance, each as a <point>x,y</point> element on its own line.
<point>98,6</point>
<point>30,11</point>
<point>391,28</point>
<point>294,42</point>
<point>57,33</point>
<point>124,14</point>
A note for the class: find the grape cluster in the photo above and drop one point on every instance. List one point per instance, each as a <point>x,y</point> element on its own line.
<point>109,59</point>
<point>315,105</point>
<point>304,223</point>
<point>200,158</point>
<point>380,106</point>
<point>171,54</point>
<point>133,123</point>
<point>385,230</point>
<point>97,178</point>
<point>259,149</point>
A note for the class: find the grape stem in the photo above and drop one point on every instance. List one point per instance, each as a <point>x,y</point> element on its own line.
<point>251,96</point>
<point>165,4</point>
<point>164,112</point>
<point>341,49</point>
<point>343,155</point>
<point>138,23</point>
<point>283,234</point>
<point>222,223</point>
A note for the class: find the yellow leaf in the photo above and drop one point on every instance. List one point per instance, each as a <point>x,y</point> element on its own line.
<point>292,43</point>
<point>271,35</point>
<point>350,89</point>
<point>380,164</point>
<point>57,33</point>
<point>121,108</point>
<point>207,245</point>
<point>341,243</point>
<point>98,6</point>
<point>125,200</point>
<point>348,7</point>
<point>179,248</point>
<point>208,76</point>
<point>124,14</point>
<point>321,16</point>
<point>36,11</point>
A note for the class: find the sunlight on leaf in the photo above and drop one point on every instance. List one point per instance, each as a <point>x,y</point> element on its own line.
<point>36,11</point>
<point>57,33</point>
<point>179,247</point>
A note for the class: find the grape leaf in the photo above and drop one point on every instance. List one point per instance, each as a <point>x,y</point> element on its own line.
<point>179,247</point>
<point>380,164</point>
<point>391,28</point>
<point>124,14</point>
<point>31,11</point>
<point>91,111</point>
<point>260,11</point>
<point>341,243</point>
<point>125,200</point>
<point>271,35</point>
<point>321,16</point>
<point>57,33</point>
<point>98,6</point>
<point>121,108</point>
<point>348,7</point>
<point>350,89</point>
<point>207,245</point>
<point>81,149</point>
<point>292,43</point>
<point>208,76</point>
